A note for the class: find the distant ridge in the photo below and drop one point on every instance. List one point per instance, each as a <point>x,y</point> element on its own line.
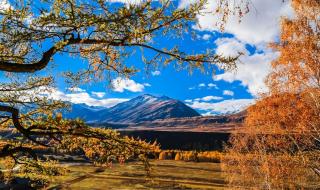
<point>142,108</point>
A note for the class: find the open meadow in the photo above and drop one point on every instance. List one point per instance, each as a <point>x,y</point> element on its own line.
<point>165,174</point>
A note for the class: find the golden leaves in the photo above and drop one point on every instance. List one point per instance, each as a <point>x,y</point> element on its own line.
<point>280,141</point>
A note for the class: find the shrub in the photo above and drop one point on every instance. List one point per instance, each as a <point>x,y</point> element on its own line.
<point>191,156</point>
<point>163,155</point>
<point>207,156</point>
<point>178,156</point>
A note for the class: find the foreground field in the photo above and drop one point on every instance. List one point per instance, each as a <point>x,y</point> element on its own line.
<point>166,174</point>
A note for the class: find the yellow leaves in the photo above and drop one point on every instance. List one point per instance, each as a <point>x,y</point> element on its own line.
<point>280,114</point>
<point>58,117</point>
<point>102,26</point>
<point>297,65</point>
<point>124,12</point>
<point>101,145</point>
<point>113,56</point>
<point>7,164</point>
<point>204,156</point>
<point>61,44</point>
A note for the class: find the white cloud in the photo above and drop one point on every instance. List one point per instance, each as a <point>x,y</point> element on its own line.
<point>81,98</point>
<point>257,28</point>
<point>210,98</point>
<point>120,84</point>
<point>228,93</point>
<point>73,97</point>
<point>98,94</point>
<point>147,84</point>
<point>202,85</point>
<point>223,107</point>
<point>4,5</point>
<point>251,71</point>
<point>211,85</point>
<point>186,3</point>
<point>230,47</point>
<point>204,99</point>
<point>76,89</point>
<point>155,73</point>
<point>260,25</point>
<point>206,36</point>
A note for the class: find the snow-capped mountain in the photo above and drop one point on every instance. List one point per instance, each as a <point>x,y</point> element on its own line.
<point>142,108</point>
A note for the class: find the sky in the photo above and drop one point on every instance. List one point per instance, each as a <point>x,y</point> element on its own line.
<point>222,93</point>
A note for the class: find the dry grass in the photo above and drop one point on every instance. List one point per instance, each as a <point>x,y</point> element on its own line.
<point>166,174</point>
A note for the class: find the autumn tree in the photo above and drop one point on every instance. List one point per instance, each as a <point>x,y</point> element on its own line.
<point>33,33</point>
<point>279,146</point>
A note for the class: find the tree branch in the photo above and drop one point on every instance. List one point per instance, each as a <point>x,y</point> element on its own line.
<point>15,119</point>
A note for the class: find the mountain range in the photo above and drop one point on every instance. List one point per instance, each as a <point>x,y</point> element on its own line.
<point>140,109</point>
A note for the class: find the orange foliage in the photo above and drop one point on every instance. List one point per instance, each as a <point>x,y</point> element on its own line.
<point>279,145</point>
<point>178,155</point>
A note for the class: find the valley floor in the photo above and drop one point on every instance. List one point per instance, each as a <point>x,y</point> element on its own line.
<point>166,174</point>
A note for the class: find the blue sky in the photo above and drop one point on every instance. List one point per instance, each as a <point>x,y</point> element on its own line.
<point>222,93</point>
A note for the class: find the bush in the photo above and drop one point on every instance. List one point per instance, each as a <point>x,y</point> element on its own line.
<point>178,156</point>
<point>207,156</point>
<point>163,155</point>
<point>190,156</point>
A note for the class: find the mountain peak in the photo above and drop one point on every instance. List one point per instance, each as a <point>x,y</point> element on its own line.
<point>149,99</point>
<point>146,107</point>
<point>148,96</point>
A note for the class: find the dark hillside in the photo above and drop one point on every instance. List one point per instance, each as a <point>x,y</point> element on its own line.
<point>183,140</point>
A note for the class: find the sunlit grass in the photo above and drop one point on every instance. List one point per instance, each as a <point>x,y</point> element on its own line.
<point>166,174</point>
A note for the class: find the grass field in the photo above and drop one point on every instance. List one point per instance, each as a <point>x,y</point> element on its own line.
<point>166,174</point>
